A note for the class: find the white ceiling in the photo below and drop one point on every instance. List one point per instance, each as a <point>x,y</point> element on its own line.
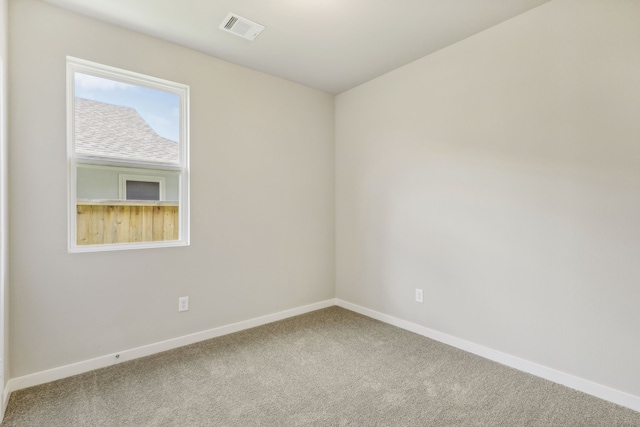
<point>331,45</point>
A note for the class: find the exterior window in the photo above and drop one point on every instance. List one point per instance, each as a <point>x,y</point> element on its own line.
<point>128,154</point>
<point>142,190</point>
<point>138,187</point>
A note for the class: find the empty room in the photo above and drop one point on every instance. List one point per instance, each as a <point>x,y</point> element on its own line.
<point>320,212</point>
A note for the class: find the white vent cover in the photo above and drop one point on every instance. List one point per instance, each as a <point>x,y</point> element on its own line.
<point>236,24</point>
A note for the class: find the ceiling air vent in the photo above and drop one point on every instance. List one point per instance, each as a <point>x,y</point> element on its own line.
<point>240,26</point>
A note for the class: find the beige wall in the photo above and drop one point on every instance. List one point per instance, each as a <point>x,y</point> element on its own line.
<point>261,200</point>
<point>502,176</point>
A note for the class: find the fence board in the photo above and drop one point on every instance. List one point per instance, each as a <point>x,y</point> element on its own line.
<point>84,213</point>
<point>96,225</point>
<point>135,224</point>
<point>124,213</point>
<point>158,223</point>
<point>111,224</point>
<point>147,223</point>
<point>176,223</point>
<point>168,224</point>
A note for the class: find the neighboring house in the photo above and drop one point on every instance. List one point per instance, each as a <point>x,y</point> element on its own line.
<point>108,130</point>
<point>115,131</point>
<point>118,204</point>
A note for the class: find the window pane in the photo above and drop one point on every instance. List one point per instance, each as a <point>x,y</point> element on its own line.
<point>142,190</point>
<point>118,120</point>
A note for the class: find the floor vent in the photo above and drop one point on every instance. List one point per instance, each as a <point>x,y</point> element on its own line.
<point>240,26</point>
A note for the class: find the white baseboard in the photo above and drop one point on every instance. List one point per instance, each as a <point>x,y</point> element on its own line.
<point>147,350</point>
<point>594,389</point>
<point>580,384</point>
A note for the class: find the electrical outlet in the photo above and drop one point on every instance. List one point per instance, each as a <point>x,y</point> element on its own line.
<point>183,303</point>
<point>419,295</point>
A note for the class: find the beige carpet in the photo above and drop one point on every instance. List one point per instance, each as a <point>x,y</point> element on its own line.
<point>327,368</point>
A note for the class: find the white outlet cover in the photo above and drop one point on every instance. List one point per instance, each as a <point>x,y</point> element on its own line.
<point>183,303</point>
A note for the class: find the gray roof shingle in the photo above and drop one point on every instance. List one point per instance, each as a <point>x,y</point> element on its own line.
<point>113,131</point>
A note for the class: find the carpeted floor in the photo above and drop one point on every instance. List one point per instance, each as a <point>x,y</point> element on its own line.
<point>331,367</point>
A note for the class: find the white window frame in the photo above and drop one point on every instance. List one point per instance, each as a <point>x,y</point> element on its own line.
<point>73,159</point>
<point>124,178</point>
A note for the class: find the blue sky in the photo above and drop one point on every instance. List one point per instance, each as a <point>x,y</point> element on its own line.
<point>160,109</point>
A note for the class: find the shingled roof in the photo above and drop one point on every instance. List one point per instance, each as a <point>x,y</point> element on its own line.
<point>114,131</point>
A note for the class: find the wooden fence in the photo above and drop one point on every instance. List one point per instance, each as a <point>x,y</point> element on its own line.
<point>126,221</point>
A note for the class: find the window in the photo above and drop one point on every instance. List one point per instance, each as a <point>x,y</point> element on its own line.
<point>138,187</point>
<point>142,190</point>
<point>128,155</point>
